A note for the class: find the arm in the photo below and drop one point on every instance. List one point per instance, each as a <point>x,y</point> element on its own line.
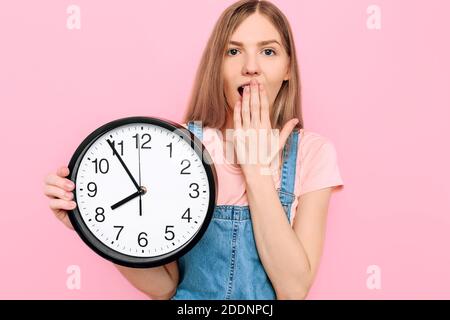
<point>159,283</point>
<point>290,255</point>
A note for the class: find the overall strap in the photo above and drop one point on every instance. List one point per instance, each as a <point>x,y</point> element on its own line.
<point>196,128</point>
<point>287,183</point>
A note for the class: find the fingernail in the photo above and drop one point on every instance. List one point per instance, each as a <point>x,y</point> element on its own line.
<point>72,204</point>
<point>70,185</point>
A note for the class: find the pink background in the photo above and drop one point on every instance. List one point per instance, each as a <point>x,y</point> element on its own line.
<point>382,96</point>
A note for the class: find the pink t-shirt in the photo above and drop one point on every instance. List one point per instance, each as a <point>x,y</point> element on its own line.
<point>317,168</point>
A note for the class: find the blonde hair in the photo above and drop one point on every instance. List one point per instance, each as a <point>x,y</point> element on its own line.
<point>208,103</point>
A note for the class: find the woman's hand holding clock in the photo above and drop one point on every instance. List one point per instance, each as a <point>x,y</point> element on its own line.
<point>59,190</point>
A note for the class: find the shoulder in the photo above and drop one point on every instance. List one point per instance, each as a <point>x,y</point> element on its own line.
<point>317,162</point>
<point>311,143</point>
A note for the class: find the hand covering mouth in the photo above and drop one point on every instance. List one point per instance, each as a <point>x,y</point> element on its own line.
<point>240,89</point>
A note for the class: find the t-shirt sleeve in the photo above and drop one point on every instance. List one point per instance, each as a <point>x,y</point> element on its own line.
<point>319,166</point>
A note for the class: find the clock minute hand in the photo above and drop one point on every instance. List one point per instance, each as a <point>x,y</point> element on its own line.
<point>123,201</point>
<point>123,164</point>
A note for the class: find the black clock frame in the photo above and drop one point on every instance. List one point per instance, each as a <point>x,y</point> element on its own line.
<point>120,258</point>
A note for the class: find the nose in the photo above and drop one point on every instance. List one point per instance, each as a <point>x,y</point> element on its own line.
<point>251,67</point>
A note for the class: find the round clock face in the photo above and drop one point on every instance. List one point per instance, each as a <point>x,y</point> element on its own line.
<point>145,191</point>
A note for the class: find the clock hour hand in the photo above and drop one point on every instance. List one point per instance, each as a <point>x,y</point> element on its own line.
<point>123,201</point>
<point>123,164</point>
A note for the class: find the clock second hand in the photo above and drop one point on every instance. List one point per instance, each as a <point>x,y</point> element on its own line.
<point>139,158</point>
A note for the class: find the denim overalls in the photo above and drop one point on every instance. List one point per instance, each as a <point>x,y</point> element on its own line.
<point>225,264</point>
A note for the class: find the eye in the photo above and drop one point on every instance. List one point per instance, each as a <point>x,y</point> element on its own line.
<point>232,50</point>
<point>274,53</point>
<point>265,50</point>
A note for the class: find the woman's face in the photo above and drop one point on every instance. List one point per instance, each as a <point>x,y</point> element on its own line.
<point>250,54</point>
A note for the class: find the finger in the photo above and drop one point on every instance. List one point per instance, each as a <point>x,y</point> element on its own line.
<point>63,171</point>
<point>255,105</point>
<point>55,192</point>
<point>246,108</point>
<point>59,204</point>
<point>237,115</point>
<point>64,218</point>
<point>265,112</point>
<point>286,131</point>
<point>54,180</point>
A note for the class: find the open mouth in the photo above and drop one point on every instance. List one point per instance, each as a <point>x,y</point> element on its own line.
<point>241,90</point>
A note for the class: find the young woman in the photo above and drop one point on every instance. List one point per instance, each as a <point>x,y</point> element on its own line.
<point>266,236</point>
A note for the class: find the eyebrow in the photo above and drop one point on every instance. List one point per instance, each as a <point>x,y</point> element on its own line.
<point>261,43</point>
